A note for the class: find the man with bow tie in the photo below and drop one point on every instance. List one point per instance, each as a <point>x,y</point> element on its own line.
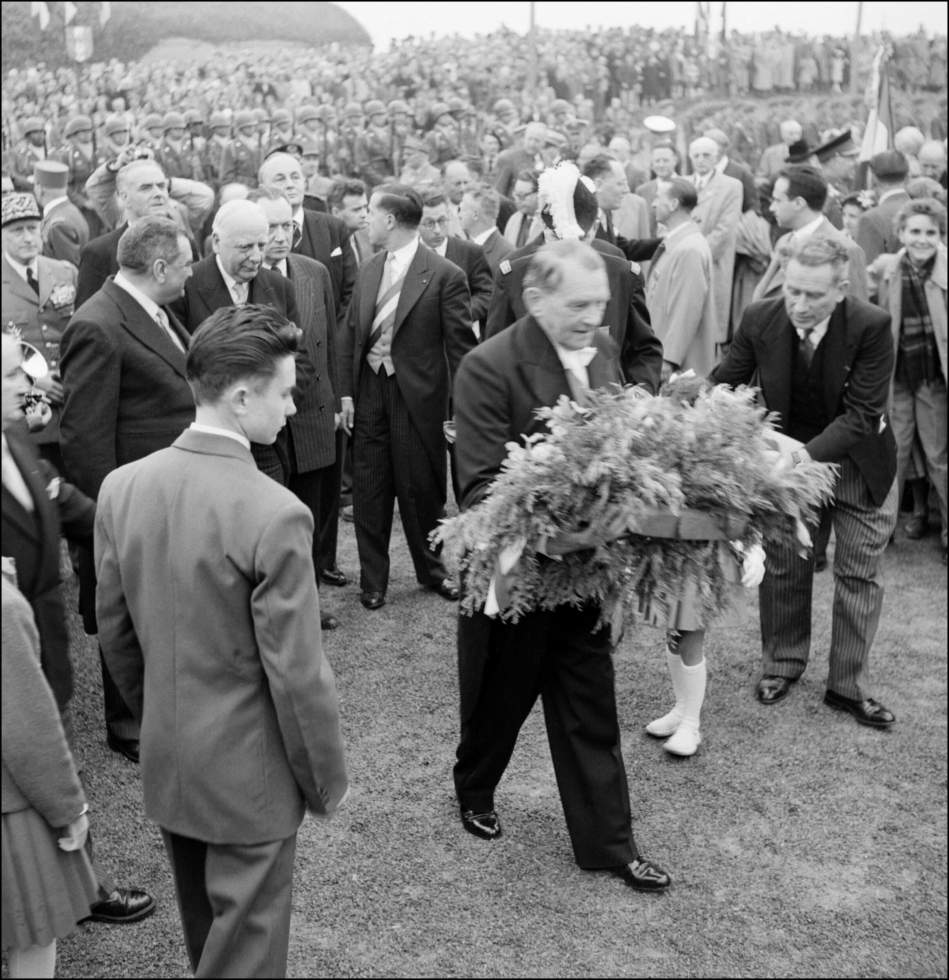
<point>557,349</point>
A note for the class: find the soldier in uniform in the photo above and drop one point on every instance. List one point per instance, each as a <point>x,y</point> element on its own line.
<point>27,152</point>
<point>281,130</point>
<point>194,119</point>
<point>150,132</point>
<point>81,156</point>
<point>350,152</point>
<point>176,154</point>
<point>116,136</point>
<point>212,154</point>
<point>377,146</point>
<point>401,126</point>
<point>443,138</point>
<point>417,169</point>
<point>242,157</point>
<point>64,230</point>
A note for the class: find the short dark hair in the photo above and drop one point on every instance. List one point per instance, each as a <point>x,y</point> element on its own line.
<point>806,182</point>
<point>600,165</point>
<point>681,190</point>
<point>819,250</point>
<point>147,240</point>
<point>854,199</point>
<point>487,199</point>
<point>545,270</point>
<point>404,203</point>
<point>347,187</point>
<point>238,342</point>
<point>433,198</point>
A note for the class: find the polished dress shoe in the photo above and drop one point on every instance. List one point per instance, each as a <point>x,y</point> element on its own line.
<point>446,589</point>
<point>773,689</point>
<point>124,746</point>
<point>916,527</point>
<point>487,826</point>
<point>643,875</point>
<point>347,513</point>
<point>122,906</point>
<point>867,712</point>
<point>373,600</point>
<point>328,622</point>
<point>333,576</point>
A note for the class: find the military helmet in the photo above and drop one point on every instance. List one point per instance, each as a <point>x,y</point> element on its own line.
<point>173,120</point>
<point>77,124</point>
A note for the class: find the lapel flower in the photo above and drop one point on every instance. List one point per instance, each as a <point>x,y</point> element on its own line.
<point>62,296</point>
<point>52,488</point>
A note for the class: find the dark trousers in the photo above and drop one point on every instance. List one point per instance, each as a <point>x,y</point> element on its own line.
<point>503,668</point>
<point>234,902</point>
<point>327,524</point>
<point>389,463</point>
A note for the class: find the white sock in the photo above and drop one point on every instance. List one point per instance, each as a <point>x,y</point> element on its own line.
<point>668,723</point>
<point>693,681</point>
<point>36,961</point>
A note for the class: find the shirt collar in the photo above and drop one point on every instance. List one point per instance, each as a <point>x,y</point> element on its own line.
<point>298,216</point>
<point>145,302</point>
<point>402,257</point>
<point>817,334</point>
<point>229,280</point>
<point>213,430</point>
<point>19,269</point>
<point>49,205</point>
<point>805,231</point>
<point>441,249</point>
<point>721,165</point>
<point>281,267</point>
<point>482,236</point>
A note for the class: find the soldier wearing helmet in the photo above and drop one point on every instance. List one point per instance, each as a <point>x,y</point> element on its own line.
<point>212,152</point>
<point>443,136</point>
<point>242,155</point>
<point>150,131</point>
<point>377,145</point>
<point>27,152</point>
<point>82,157</point>
<point>176,153</point>
<point>281,129</point>
<point>350,148</point>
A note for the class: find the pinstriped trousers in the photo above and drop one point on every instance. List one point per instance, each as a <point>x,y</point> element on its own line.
<point>862,531</point>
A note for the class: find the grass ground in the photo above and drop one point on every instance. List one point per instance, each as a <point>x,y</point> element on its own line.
<point>800,843</point>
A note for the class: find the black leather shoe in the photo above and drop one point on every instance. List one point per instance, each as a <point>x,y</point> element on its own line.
<point>333,576</point>
<point>122,906</point>
<point>643,875</point>
<point>487,826</point>
<point>446,589</point>
<point>329,622</point>
<point>124,746</point>
<point>820,563</point>
<point>773,689</point>
<point>916,527</point>
<point>868,712</point>
<point>373,600</point>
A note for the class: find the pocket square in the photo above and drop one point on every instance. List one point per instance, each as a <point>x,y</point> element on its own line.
<point>336,251</point>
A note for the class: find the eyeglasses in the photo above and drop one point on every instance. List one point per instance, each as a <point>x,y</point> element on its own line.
<point>435,223</point>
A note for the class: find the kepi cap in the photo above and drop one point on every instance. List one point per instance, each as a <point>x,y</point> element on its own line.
<point>18,207</point>
<point>50,174</point>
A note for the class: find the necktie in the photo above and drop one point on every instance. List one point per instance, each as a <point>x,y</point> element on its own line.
<point>240,293</point>
<point>522,231</point>
<point>609,226</point>
<point>383,321</point>
<point>13,480</point>
<point>356,252</point>
<point>161,318</point>
<point>807,344</point>
<point>32,281</point>
<point>297,235</point>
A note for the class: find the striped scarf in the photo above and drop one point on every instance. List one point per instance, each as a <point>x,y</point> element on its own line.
<point>917,359</point>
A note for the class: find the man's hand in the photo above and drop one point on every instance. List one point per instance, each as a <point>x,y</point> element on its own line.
<point>348,414</point>
<point>51,386</point>
<point>668,369</point>
<point>613,526</point>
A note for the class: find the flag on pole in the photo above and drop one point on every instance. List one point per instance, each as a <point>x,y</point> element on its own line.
<point>878,135</point>
<point>105,12</point>
<point>69,12</point>
<point>42,11</point>
<point>701,19</point>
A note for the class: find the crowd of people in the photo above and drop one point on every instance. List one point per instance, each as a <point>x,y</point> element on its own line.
<point>241,305</point>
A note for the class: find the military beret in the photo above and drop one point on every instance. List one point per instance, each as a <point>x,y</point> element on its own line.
<point>280,117</point>
<point>116,124</point>
<point>50,174</point>
<point>307,112</point>
<point>375,108</point>
<point>77,124</point>
<point>18,207</point>
<point>32,124</point>
<point>889,165</point>
<point>173,120</point>
<point>218,120</point>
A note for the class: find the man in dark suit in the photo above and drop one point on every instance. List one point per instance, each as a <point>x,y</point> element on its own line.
<point>479,215</point>
<point>142,190</point>
<point>525,156</point>
<point>125,392</point>
<point>313,470</point>
<point>317,235</point>
<point>609,179</point>
<point>876,231</point>
<point>241,737</point>
<point>37,505</point>
<point>409,326</point>
<point>469,257</point>
<point>556,350</point>
<point>626,314</point>
<point>824,362</point>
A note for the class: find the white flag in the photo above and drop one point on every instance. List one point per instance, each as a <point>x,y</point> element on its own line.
<point>69,11</point>
<point>42,11</point>
<point>105,13</point>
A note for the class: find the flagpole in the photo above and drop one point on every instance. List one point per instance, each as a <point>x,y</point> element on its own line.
<point>532,58</point>
<point>855,51</point>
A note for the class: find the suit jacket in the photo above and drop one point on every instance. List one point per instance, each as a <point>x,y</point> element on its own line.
<point>749,191</point>
<point>679,297</point>
<point>858,363</point>
<point>509,164</point>
<point>431,334</point>
<point>65,232</point>
<point>875,228</point>
<point>631,218</point>
<point>126,393</point>
<point>326,239</point>
<point>39,319</point>
<point>626,315</point>
<point>717,214</point>
<point>647,192</point>
<point>772,282</point>
<point>495,246</point>
<point>470,259</point>
<point>512,227</point>
<point>32,540</point>
<point>224,666</point>
<point>313,428</point>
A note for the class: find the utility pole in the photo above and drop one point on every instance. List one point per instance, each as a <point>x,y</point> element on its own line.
<point>855,52</point>
<point>532,60</point>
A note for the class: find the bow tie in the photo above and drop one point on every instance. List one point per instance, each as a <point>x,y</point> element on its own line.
<point>579,358</point>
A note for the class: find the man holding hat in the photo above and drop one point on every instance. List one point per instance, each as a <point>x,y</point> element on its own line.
<point>30,149</point>
<point>38,297</point>
<point>875,229</point>
<point>64,230</point>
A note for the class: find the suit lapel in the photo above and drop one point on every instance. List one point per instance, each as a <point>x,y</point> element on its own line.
<point>542,369</point>
<point>371,275</point>
<point>417,277</point>
<point>17,284</point>
<point>776,363</point>
<point>38,524</point>
<point>836,357</point>
<point>145,330</point>
<point>212,287</point>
